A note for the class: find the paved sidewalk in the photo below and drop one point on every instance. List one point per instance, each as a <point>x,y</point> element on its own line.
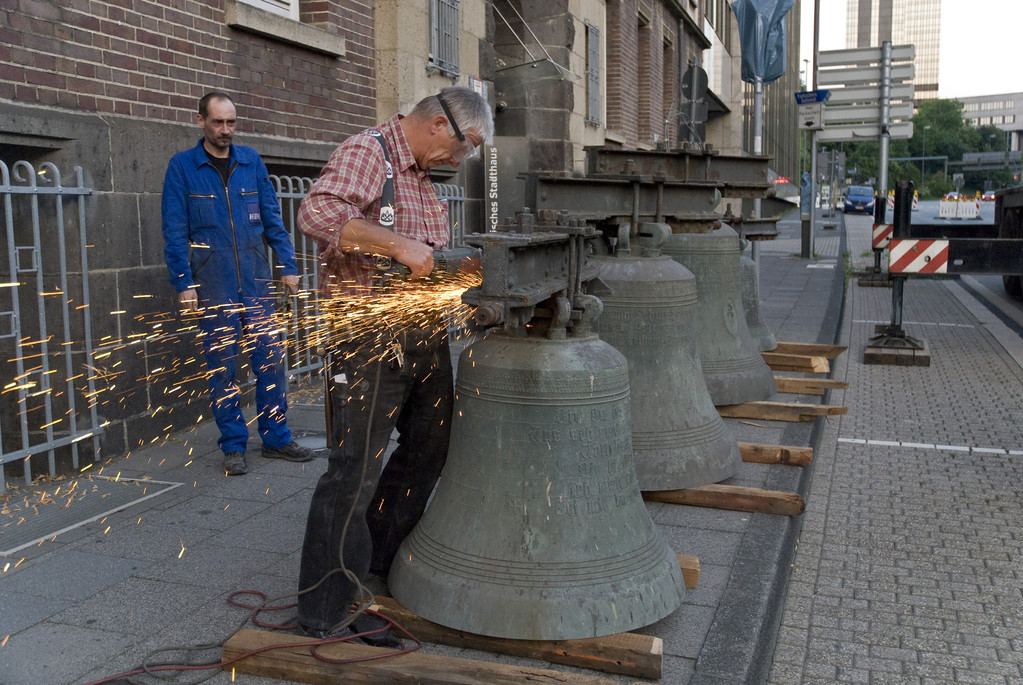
<point>908,568</point>
<point>95,600</point>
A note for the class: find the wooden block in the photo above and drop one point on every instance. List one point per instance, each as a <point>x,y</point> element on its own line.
<point>896,356</point>
<point>779,411</point>
<point>625,653</point>
<point>291,660</point>
<point>756,453</point>
<point>796,362</point>
<point>733,498</point>
<point>810,349</point>
<point>690,570</point>
<point>807,386</point>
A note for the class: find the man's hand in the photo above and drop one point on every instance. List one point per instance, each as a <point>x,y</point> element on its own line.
<point>417,256</point>
<point>189,300</point>
<point>373,239</point>
<point>291,282</point>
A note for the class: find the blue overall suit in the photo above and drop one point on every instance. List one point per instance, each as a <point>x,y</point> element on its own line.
<point>214,242</point>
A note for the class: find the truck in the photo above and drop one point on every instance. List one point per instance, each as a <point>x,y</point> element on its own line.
<point>1009,222</point>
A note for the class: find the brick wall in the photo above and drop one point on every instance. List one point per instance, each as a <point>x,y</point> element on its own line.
<point>622,72</point>
<point>650,67</point>
<point>153,60</point>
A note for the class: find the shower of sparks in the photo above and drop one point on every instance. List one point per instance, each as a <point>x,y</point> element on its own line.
<point>170,370</point>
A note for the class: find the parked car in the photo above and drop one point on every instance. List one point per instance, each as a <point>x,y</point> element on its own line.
<point>859,199</point>
<point>988,196</point>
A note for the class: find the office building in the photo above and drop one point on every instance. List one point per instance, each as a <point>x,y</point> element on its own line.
<point>903,22</point>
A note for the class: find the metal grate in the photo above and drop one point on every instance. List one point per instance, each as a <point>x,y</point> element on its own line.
<point>593,75</point>
<point>444,28</point>
<point>48,365</point>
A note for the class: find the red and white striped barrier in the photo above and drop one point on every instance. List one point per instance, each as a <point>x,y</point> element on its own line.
<point>880,235</point>
<point>915,256</point>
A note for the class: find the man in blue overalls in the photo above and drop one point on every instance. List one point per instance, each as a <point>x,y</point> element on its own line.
<point>218,208</point>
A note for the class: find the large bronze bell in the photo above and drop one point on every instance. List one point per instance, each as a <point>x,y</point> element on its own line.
<point>732,366</point>
<point>537,528</point>
<point>758,328</point>
<point>678,437</point>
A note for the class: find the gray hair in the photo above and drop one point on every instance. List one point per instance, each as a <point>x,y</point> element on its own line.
<point>470,111</point>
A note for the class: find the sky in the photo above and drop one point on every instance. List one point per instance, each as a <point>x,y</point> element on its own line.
<point>981,43</point>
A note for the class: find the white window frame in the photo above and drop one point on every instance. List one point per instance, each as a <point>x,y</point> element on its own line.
<point>283,8</point>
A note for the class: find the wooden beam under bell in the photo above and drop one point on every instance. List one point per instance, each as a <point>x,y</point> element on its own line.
<point>810,349</point>
<point>290,659</point>
<point>629,654</point>
<point>732,498</point>
<point>793,385</point>
<point>803,363</point>
<point>758,453</point>
<point>779,411</point>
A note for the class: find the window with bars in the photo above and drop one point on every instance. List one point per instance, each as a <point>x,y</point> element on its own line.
<point>593,108</point>
<point>444,27</point>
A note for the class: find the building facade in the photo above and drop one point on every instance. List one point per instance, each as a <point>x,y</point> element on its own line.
<point>1004,111</point>
<point>902,22</point>
<point>111,88</point>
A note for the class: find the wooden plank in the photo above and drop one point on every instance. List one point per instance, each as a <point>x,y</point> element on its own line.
<point>796,362</point>
<point>807,386</point>
<point>690,570</point>
<point>290,659</point>
<point>733,498</point>
<point>626,653</point>
<point>810,349</point>
<point>756,453</point>
<point>780,411</point>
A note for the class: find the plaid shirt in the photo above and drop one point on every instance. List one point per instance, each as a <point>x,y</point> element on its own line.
<point>349,187</point>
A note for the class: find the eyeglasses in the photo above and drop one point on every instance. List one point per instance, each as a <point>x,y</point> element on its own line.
<point>467,145</point>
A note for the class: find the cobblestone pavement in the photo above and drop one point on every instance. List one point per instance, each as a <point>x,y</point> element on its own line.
<point>908,564</point>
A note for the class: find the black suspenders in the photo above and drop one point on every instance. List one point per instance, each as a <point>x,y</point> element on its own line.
<point>386,197</point>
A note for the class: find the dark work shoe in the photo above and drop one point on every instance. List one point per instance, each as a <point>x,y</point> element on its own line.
<point>234,464</point>
<point>375,631</point>
<point>290,452</point>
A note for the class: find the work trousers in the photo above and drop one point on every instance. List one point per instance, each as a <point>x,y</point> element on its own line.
<point>362,509</point>
<point>229,328</point>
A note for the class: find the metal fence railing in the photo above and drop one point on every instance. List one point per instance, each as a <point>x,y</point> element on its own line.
<point>47,362</point>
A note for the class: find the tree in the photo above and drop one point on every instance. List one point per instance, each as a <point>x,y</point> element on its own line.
<point>939,130</point>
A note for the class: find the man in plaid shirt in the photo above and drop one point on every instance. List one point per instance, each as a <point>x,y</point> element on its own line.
<point>379,380</point>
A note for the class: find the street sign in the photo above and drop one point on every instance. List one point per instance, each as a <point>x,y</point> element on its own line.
<point>862,75</point>
<point>808,97</point>
<point>865,84</point>
<point>856,114</point>
<point>869,94</point>
<point>852,132</point>
<point>810,117</point>
<point>836,58</point>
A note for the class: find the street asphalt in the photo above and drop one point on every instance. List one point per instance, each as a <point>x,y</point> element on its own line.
<point>903,569</point>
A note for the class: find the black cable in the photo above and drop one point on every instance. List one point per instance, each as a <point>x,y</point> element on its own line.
<point>364,596</point>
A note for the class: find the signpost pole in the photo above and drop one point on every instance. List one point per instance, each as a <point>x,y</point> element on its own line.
<point>881,199</point>
<point>806,248</point>
<point>758,149</point>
